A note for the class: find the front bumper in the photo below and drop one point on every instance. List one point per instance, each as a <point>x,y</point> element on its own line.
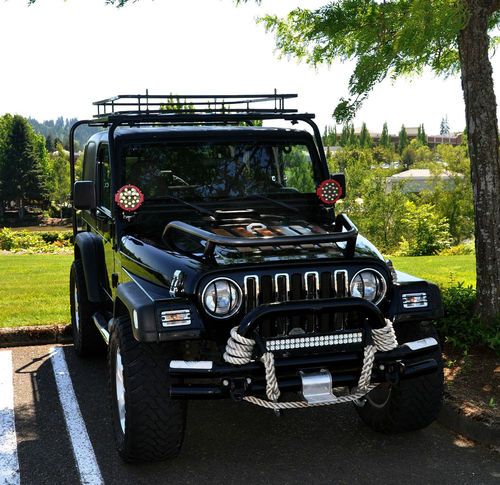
<point>208,380</point>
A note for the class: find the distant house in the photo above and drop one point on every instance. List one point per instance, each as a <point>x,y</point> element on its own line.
<point>417,179</point>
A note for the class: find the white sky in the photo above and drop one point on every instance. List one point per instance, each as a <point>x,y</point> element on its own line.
<point>58,56</point>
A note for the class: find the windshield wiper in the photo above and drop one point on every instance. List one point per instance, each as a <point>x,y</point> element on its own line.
<point>278,202</point>
<point>196,207</point>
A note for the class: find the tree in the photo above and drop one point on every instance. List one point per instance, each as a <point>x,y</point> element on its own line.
<point>353,138</point>
<point>421,136</point>
<point>385,139</point>
<point>49,144</point>
<point>403,139</point>
<point>23,174</point>
<point>400,37</point>
<point>365,139</point>
<point>445,127</point>
<point>330,136</point>
<point>60,187</point>
<point>345,136</point>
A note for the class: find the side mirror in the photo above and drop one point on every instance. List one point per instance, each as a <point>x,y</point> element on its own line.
<point>84,195</point>
<point>340,178</point>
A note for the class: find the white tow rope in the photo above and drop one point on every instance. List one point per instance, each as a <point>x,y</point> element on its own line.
<point>239,351</point>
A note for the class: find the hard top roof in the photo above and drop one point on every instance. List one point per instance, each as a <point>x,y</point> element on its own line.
<point>188,131</point>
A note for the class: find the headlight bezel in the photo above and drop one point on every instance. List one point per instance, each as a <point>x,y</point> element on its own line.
<point>381,279</point>
<point>235,310</point>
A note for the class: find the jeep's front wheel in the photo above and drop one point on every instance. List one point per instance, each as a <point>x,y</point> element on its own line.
<point>86,338</point>
<point>411,404</point>
<point>148,424</point>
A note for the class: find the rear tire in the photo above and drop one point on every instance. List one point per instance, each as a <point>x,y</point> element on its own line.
<point>148,424</point>
<point>411,404</point>
<point>86,338</point>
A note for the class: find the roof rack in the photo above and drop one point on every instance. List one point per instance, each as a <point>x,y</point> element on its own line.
<point>160,104</point>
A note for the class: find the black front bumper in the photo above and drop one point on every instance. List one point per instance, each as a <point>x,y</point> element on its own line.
<point>220,380</point>
<point>207,379</point>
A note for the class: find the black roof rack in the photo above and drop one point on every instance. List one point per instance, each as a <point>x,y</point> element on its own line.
<point>124,105</point>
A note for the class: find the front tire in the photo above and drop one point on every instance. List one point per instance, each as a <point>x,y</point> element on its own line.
<point>411,404</point>
<point>148,424</point>
<point>86,338</point>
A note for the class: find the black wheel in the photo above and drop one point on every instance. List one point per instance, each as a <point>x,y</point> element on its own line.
<point>86,338</point>
<point>148,424</point>
<point>411,404</point>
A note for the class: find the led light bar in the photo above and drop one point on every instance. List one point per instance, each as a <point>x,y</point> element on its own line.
<point>174,318</point>
<point>315,341</point>
<point>415,300</point>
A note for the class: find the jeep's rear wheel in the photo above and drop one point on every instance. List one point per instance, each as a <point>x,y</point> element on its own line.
<point>411,404</point>
<point>148,424</point>
<point>86,338</point>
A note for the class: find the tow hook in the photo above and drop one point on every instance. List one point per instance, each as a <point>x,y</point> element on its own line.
<point>394,371</point>
<point>237,388</point>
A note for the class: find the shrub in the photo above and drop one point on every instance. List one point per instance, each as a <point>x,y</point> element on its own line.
<point>34,242</point>
<point>424,232</point>
<point>460,325</point>
<point>458,250</point>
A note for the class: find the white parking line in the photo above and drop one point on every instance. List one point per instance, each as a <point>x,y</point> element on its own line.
<point>82,447</point>
<point>9,464</point>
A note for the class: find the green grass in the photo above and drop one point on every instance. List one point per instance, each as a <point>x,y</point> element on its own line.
<point>443,270</point>
<point>34,289</point>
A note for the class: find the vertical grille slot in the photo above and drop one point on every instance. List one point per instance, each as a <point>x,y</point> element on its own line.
<point>267,296</point>
<point>282,293</point>
<point>341,281</point>
<point>312,293</point>
<point>251,292</point>
<point>326,290</point>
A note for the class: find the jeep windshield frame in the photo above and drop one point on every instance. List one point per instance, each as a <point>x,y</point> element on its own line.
<point>220,165</point>
<point>225,110</point>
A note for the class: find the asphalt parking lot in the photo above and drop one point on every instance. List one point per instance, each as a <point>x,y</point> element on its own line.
<point>225,442</point>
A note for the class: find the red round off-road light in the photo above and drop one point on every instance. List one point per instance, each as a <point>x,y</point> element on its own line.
<point>329,191</point>
<point>129,198</point>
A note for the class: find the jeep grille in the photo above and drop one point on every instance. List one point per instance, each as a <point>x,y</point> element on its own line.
<point>299,286</point>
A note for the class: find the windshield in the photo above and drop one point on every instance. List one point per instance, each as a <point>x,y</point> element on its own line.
<point>212,170</point>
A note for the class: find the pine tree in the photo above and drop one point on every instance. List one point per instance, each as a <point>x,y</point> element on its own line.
<point>49,144</point>
<point>365,139</point>
<point>385,139</point>
<point>445,127</point>
<point>403,139</point>
<point>22,174</point>
<point>353,138</point>
<point>345,136</point>
<point>423,136</point>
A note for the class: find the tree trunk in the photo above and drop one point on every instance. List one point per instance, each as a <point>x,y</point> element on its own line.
<point>482,130</point>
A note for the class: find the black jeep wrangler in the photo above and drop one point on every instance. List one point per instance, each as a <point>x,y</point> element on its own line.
<point>211,262</point>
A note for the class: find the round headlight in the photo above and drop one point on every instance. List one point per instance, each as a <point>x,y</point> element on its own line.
<point>369,284</point>
<point>222,298</point>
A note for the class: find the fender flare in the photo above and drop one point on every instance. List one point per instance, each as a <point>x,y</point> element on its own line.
<point>90,249</point>
<point>140,308</point>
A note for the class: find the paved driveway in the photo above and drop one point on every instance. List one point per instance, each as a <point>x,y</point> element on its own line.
<point>225,442</point>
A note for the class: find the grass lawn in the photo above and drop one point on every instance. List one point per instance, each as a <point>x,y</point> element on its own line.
<point>34,289</point>
<point>443,270</point>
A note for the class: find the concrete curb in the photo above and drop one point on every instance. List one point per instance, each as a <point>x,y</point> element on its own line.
<point>485,433</point>
<point>35,335</point>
